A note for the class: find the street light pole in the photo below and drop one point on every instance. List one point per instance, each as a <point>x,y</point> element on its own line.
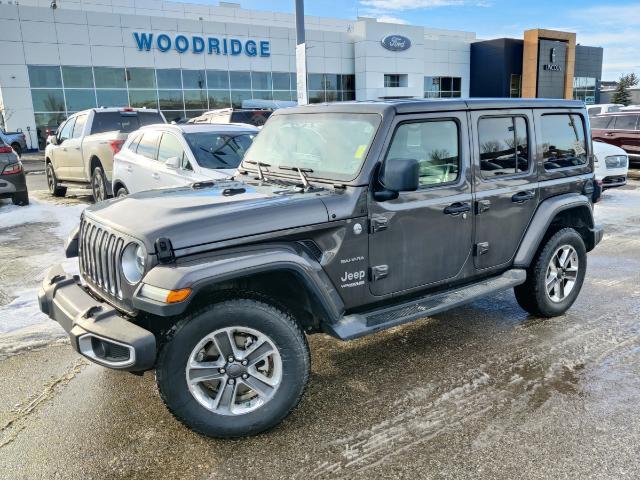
<point>301,55</point>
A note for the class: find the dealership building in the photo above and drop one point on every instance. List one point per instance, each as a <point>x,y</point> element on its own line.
<point>187,58</point>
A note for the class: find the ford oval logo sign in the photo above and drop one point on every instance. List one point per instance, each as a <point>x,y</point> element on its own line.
<point>396,43</point>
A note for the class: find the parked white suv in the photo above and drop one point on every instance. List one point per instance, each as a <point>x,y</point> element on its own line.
<point>162,156</point>
<point>611,164</point>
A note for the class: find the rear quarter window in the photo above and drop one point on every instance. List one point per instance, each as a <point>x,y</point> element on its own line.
<point>563,141</point>
<point>601,123</point>
<point>626,122</point>
<point>123,121</point>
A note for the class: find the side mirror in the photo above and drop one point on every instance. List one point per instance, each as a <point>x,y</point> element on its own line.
<point>400,175</point>
<point>52,139</point>
<point>173,162</point>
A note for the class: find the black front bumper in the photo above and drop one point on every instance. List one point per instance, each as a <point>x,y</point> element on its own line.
<point>96,329</point>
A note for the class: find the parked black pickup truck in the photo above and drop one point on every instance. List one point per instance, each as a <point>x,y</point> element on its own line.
<point>343,218</point>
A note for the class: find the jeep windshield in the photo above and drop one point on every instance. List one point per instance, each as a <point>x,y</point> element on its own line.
<point>329,146</point>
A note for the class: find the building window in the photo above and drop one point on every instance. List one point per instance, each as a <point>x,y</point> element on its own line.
<point>442,87</point>
<point>57,91</point>
<point>396,80</point>
<point>330,87</point>
<point>584,88</point>
<point>515,86</point>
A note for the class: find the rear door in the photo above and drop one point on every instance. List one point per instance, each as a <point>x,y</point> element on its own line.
<point>60,153</point>
<point>506,191</point>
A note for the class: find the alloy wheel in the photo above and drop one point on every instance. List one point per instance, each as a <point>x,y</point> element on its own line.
<point>98,187</point>
<point>234,370</point>
<point>50,178</point>
<point>562,273</point>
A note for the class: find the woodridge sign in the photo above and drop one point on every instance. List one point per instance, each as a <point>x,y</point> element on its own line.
<point>198,44</point>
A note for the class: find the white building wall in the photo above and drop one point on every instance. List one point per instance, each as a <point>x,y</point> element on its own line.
<point>100,33</point>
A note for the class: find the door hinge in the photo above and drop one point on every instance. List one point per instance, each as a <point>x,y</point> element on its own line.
<point>482,206</point>
<point>481,248</point>
<point>379,272</point>
<point>378,223</point>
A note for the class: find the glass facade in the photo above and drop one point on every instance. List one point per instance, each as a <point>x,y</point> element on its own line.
<point>330,87</point>
<point>60,91</point>
<point>584,88</point>
<point>515,86</point>
<point>442,87</point>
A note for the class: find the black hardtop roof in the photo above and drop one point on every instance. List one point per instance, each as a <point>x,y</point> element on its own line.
<point>401,106</point>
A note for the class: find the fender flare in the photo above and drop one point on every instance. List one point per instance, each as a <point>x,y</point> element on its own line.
<point>542,218</point>
<point>201,273</point>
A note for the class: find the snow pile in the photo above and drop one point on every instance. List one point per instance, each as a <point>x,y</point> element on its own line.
<point>22,325</point>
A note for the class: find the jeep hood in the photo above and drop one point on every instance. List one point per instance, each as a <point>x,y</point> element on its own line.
<point>196,216</point>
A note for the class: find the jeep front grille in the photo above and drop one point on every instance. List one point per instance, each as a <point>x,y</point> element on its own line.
<point>100,250</point>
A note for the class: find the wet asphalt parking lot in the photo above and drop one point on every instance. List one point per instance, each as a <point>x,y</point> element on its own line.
<point>483,391</point>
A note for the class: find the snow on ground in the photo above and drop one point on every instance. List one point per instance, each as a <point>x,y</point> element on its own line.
<point>31,241</point>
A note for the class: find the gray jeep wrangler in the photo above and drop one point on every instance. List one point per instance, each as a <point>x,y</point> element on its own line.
<point>345,219</point>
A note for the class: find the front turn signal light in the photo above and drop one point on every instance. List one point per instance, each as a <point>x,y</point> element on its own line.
<point>163,295</point>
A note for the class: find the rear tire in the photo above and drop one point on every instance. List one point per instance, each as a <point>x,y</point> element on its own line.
<point>21,198</point>
<point>99,185</point>
<point>17,148</point>
<point>54,187</point>
<point>555,276</point>
<point>210,406</point>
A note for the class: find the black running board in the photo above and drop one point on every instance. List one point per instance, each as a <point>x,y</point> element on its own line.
<point>361,324</point>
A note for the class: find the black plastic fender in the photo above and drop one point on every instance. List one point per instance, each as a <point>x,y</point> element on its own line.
<point>208,269</point>
<point>542,218</point>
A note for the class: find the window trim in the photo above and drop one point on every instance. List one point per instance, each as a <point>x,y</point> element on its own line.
<point>530,160</point>
<point>586,141</point>
<point>460,178</point>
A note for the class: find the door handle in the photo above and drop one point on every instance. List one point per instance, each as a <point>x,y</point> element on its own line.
<point>457,208</point>
<point>129,168</point>
<point>155,175</point>
<point>608,134</point>
<point>522,197</point>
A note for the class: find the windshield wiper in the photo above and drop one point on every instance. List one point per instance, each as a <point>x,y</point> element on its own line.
<point>215,154</point>
<point>259,165</point>
<point>302,172</point>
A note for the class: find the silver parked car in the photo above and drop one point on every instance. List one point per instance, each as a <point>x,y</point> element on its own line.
<point>15,140</point>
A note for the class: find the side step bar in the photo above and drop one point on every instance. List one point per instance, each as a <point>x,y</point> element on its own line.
<point>361,324</point>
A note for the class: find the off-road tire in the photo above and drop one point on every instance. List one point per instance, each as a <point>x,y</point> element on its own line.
<point>532,295</point>
<point>21,199</point>
<point>282,329</point>
<point>99,185</point>
<point>52,182</point>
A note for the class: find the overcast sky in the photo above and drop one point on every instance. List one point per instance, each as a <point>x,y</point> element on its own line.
<point>614,25</point>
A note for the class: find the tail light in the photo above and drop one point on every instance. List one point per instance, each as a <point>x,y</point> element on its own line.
<point>12,169</point>
<point>116,145</point>
<point>128,109</point>
<point>6,149</point>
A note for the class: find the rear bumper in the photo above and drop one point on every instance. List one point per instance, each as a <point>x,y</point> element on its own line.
<point>96,329</point>
<point>14,183</point>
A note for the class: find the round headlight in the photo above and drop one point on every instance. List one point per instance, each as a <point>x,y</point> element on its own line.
<point>133,259</point>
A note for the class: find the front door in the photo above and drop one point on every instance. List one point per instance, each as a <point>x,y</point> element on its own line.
<point>423,238</point>
<point>506,192</point>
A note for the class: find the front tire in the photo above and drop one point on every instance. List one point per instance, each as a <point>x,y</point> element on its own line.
<point>555,276</point>
<point>122,192</point>
<point>21,199</point>
<point>233,369</point>
<point>52,182</point>
<point>99,185</point>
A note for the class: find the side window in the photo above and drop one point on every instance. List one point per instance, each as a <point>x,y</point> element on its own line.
<point>601,123</point>
<point>504,146</point>
<point>185,164</point>
<point>563,141</point>
<point>148,146</point>
<point>626,122</point>
<point>593,111</point>
<point>67,130</point>
<point>170,146</point>
<point>81,120</point>
<point>434,144</point>
<point>133,145</point>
